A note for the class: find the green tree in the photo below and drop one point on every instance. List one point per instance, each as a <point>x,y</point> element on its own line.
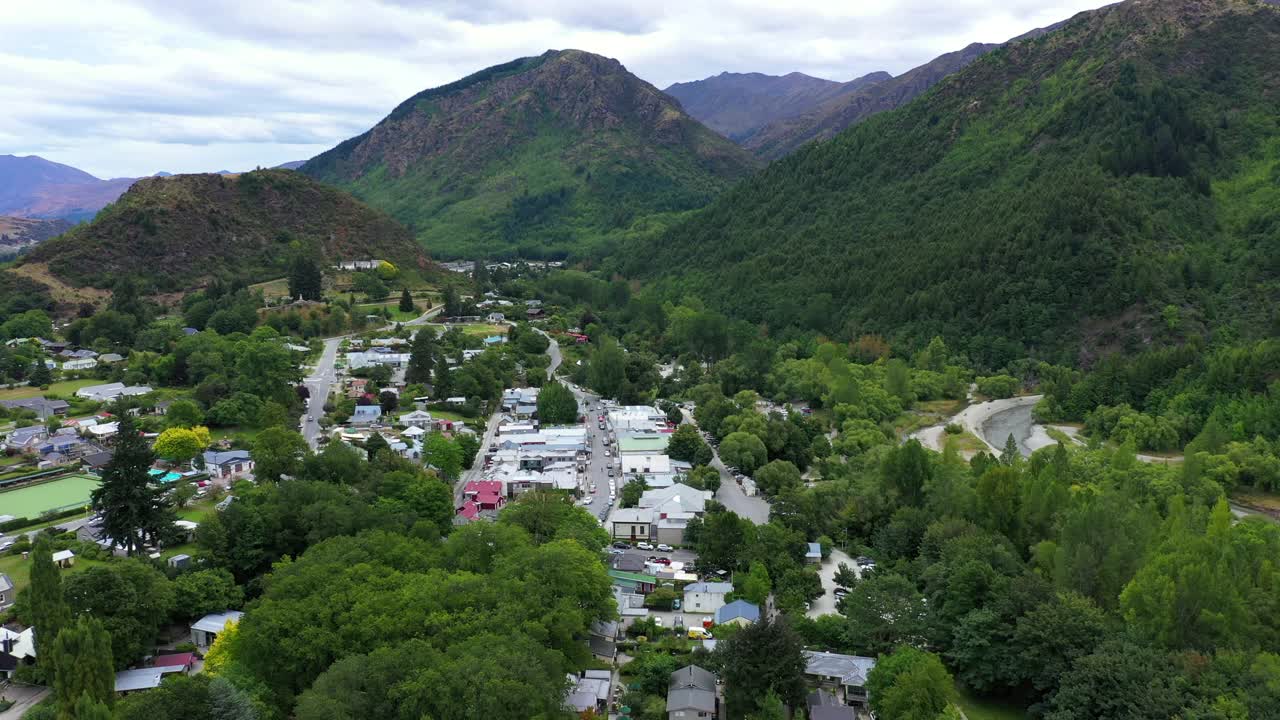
<point>884,611</point>
<point>179,444</point>
<point>131,599</point>
<point>88,708</point>
<point>48,607</point>
<point>687,444</point>
<point>375,445</point>
<point>305,280</point>
<point>607,368</point>
<point>443,454</point>
<point>202,592</point>
<point>720,541</point>
<point>422,357</point>
<point>744,451</point>
<point>557,405</point>
<point>82,667</point>
<point>276,453</point>
<point>632,491</point>
<point>910,684</point>
<point>1054,634</point>
<point>406,301</point>
<point>756,586</point>
<point>905,472</point>
<point>133,511</point>
<point>771,708</point>
<point>763,658</point>
<point>777,477</point>
<point>183,414</point>
<point>41,376</point>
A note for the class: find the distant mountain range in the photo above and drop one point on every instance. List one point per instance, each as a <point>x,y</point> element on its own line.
<point>541,157</point>
<point>31,186</point>
<point>737,105</point>
<point>18,233</point>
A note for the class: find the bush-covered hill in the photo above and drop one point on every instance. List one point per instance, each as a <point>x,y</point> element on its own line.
<point>177,231</point>
<point>539,157</point>
<point>1060,195</point>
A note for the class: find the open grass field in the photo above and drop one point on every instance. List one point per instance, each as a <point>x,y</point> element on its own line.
<point>271,289</point>
<point>65,388</point>
<point>396,314</point>
<point>482,329</point>
<point>19,570</point>
<point>33,500</point>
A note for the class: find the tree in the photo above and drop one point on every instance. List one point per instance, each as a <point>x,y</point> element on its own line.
<point>371,285</point>
<point>181,444</point>
<point>556,405</point>
<point>704,477</point>
<point>183,414</point>
<point>374,445</point>
<point>88,708</point>
<point>632,491</point>
<point>48,608</point>
<point>910,684</point>
<point>756,585</point>
<point>388,401</point>
<point>406,301</point>
<point>607,368</point>
<point>1121,680</point>
<point>778,477</point>
<point>133,510</point>
<point>687,444</point>
<point>82,667</point>
<point>276,453</point>
<point>1053,635</point>
<point>469,446</point>
<point>422,357</point>
<point>762,659</point>
<point>202,592</point>
<point>744,451</point>
<point>884,610</point>
<point>305,279</point>
<point>905,472</point>
<point>131,599</point>
<point>721,540</point>
<point>40,375</point>
<point>228,702</point>
<point>771,708</point>
<point>443,454</point>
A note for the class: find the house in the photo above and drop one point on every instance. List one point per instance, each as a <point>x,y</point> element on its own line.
<point>7,592</point>
<point>645,464</point>
<point>111,391</point>
<point>359,264</point>
<point>94,462</point>
<point>603,640</point>
<point>843,675</point>
<point>83,364</point>
<point>64,558</point>
<point>27,439</point>
<point>103,431</point>
<point>633,523</point>
<point>110,358</point>
<point>42,407</point>
<point>69,446</point>
<point>638,583</point>
<point>642,444</point>
<point>705,597</point>
<point>813,553</point>
<point>824,705</point>
<point>738,612</point>
<point>189,331</point>
<point>691,693</point>
<point>222,465</point>
<point>589,692</point>
<point>536,313</point>
<point>456,400</point>
<point>175,663</point>
<point>627,563</point>
<point>418,419</point>
<point>205,630</point>
<point>495,340</point>
<point>496,317</point>
<point>128,681</point>
<point>486,494</point>
<point>366,415</point>
<point>16,649</point>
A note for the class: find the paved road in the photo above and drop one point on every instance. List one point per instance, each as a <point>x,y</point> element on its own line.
<point>754,508</point>
<point>24,698</point>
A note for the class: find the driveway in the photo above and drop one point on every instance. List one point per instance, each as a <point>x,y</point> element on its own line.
<point>24,698</point>
<point>825,604</point>
<point>754,508</point>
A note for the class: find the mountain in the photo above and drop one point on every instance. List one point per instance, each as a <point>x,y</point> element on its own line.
<point>177,231</point>
<point>542,156</point>
<point>291,165</point>
<point>854,104</point>
<point>17,233</point>
<point>31,186</point>
<point>1109,184</point>
<point>737,105</point>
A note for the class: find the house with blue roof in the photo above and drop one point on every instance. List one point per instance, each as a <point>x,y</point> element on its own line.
<point>738,612</point>
<point>813,553</point>
<point>366,415</point>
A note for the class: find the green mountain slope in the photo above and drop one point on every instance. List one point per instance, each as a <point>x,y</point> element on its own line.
<point>541,156</point>
<point>178,231</point>
<point>1104,184</point>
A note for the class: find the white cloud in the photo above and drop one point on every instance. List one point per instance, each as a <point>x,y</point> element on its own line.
<point>129,87</point>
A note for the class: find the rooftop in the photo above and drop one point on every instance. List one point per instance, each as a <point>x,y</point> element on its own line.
<point>217,622</point>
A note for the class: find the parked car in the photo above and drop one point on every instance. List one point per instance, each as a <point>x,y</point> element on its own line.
<point>616,551</point>
<point>697,633</point>
<point>619,545</point>
<point>643,546</point>
<point>864,561</point>
<point>663,547</point>
<point>660,560</point>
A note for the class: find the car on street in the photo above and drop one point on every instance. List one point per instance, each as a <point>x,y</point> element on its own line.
<point>620,546</point>
<point>643,546</point>
<point>616,551</point>
<point>593,487</point>
<point>5,545</point>
<point>663,547</point>
<point>606,452</point>
<point>311,418</point>
<point>864,561</point>
<point>660,560</point>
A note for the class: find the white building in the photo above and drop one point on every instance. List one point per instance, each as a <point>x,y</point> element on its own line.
<point>111,391</point>
<point>705,597</point>
<point>205,630</point>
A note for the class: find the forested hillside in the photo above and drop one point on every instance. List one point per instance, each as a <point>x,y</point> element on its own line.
<point>174,232</point>
<point>1062,196</point>
<point>538,157</point>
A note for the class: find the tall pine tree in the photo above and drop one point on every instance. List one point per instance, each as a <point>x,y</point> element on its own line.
<point>133,510</point>
<point>406,301</point>
<point>305,279</point>
<point>422,357</point>
<point>82,667</point>
<point>49,611</point>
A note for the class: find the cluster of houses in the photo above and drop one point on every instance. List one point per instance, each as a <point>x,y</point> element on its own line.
<point>66,357</point>
<point>82,440</point>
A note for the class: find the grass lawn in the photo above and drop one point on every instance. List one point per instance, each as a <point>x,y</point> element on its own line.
<point>31,501</point>
<point>234,433</point>
<point>272,288</point>
<point>20,570</point>
<point>482,329</point>
<point>979,709</point>
<point>66,387</point>
<point>197,511</point>
<point>965,442</point>
<point>942,407</point>
<point>452,417</point>
<point>396,314</point>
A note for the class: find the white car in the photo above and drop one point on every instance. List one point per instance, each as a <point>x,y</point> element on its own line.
<point>643,546</point>
<point>663,547</point>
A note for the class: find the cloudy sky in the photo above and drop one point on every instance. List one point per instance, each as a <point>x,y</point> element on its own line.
<point>131,87</point>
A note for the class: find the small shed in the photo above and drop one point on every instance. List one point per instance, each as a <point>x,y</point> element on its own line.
<point>64,558</point>
<point>813,554</point>
<point>205,630</point>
